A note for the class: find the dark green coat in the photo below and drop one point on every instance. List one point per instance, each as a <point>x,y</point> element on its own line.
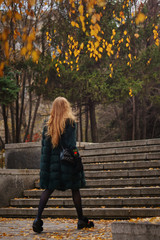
<point>53,173</point>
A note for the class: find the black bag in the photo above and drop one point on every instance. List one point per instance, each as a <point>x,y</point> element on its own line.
<point>71,157</point>
<point>66,157</point>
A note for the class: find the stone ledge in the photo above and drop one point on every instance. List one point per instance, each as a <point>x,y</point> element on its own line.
<point>36,144</point>
<point>14,182</point>
<point>135,231</point>
<point>19,171</point>
<point>131,143</point>
<point>22,145</point>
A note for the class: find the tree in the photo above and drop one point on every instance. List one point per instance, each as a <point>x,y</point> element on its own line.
<point>8,93</point>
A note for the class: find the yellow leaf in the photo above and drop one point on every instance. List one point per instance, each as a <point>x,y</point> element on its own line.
<point>29,46</point>
<point>18,16</point>
<point>76,52</point>
<point>32,2</point>
<point>4,35</point>
<point>6,49</point>
<point>125,32</point>
<point>140,18</point>
<point>35,55</point>
<point>148,62</point>
<point>24,37</point>
<point>128,40</point>
<point>157,42</point>
<point>129,55</point>
<point>80,9</point>
<point>113,32</point>
<point>136,35</point>
<point>82,46</point>
<point>23,51</point>
<point>130,92</point>
<point>95,18</point>
<point>100,49</point>
<point>1,69</point>
<point>101,3</point>
<point>96,44</point>
<point>82,19</point>
<point>73,23</point>
<point>46,80</point>
<point>32,36</point>
<point>59,50</point>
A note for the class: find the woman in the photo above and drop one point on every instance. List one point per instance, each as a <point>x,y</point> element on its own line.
<point>60,132</point>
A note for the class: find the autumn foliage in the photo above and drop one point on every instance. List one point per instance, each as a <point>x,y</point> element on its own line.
<point>20,27</point>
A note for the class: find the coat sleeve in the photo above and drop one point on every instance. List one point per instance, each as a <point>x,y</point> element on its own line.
<point>45,159</point>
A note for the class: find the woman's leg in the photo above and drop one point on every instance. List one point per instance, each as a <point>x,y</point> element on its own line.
<point>43,201</point>
<point>77,202</point>
<point>38,223</point>
<point>83,222</point>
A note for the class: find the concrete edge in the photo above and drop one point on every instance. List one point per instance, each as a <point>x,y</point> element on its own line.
<point>131,230</point>
<point>19,171</point>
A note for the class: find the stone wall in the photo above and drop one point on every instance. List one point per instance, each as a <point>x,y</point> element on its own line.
<point>14,182</point>
<point>23,155</point>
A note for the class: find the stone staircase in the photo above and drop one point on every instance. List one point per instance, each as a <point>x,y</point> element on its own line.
<point>123,181</point>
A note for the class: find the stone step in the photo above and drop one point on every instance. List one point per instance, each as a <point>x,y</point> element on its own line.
<point>115,166</point>
<point>118,151</point>
<point>105,213</point>
<point>132,143</point>
<point>136,182</point>
<point>102,192</point>
<point>91,202</point>
<point>120,158</point>
<point>122,174</point>
<point>123,230</point>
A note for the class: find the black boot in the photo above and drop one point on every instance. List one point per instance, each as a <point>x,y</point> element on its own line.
<point>84,223</point>
<point>37,225</point>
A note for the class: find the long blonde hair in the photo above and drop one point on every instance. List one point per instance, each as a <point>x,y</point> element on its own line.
<point>61,110</point>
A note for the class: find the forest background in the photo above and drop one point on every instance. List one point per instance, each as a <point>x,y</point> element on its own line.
<point>102,55</point>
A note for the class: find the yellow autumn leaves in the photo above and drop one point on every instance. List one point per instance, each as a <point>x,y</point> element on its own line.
<point>140,18</point>
<point>28,50</point>
<point>155,32</point>
<point>13,34</point>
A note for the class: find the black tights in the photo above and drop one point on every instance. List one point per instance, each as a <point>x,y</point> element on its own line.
<point>47,193</point>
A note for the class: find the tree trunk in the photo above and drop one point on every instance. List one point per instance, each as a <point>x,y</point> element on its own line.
<point>154,126</point>
<point>34,117</point>
<point>13,122</point>
<point>22,104</point>
<point>144,120</point>
<point>133,118</point>
<point>120,122</point>
<point>30,111</point>
<point>124,135</point>
<point>17,115</point>
<point>94,131</point>
<point>80,121</point>
<point>86,123</point>
<point>137,119</point>
<point>5,122</point>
